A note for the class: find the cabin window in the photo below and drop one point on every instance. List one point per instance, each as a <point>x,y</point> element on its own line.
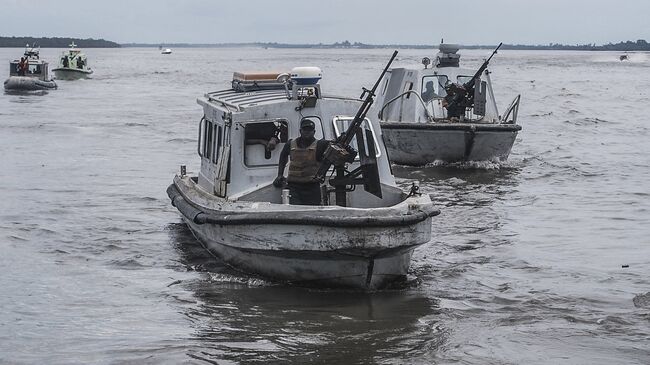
<point>433,87</point>
<point>209,135</point>
<point>217,130</point>
<point>461,79</point>
<point>259,137</point>
<point>34,69</point>
<point>201,146</point>
<point>341,124</point>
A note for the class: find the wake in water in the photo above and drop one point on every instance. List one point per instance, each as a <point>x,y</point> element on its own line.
<point>473,165</point>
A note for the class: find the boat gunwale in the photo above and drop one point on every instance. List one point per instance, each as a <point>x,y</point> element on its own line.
<point>411,213</point>
<point>85,71</point>
<point>475,127</point>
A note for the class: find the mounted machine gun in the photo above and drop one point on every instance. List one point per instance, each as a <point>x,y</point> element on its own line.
<point>462,96</point>
<point>340,153</point>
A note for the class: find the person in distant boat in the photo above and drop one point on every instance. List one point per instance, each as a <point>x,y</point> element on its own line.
<point>306,154</point>
<point>458,109</point>
<point>66,61</point>
<point>23,65</point>
<point>428,94</point>
<point>80,63</point>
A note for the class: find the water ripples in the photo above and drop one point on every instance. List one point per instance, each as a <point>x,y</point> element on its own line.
<point>540,259</point>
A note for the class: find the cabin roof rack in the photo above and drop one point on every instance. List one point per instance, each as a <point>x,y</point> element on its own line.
<point>254,81</point>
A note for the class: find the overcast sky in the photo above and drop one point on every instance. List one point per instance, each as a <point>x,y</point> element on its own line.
<point>328,21</point>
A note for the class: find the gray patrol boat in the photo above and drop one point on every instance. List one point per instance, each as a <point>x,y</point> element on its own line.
<point>36,76</point>
<point>444,113</point>
<point>365,230</point>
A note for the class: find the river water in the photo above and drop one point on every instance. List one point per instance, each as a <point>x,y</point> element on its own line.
<point>536,260</point>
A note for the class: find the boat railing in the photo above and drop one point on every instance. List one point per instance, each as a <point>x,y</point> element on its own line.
<point>424,105</point>
<point>226,104</point>
<point>513,110</point>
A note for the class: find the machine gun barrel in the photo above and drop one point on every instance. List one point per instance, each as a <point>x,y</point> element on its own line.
<point>334,153</point>
<point>465,96</point>
<point>470,84</point>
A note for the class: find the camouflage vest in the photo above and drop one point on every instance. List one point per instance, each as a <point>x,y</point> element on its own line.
<point>303,166</point>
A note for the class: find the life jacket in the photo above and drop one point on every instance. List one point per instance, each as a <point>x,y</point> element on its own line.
<point>303,166</point>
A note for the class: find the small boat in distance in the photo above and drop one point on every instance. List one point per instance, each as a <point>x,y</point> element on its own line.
<point>623,57</point>
<point>73,65</point>
<point>29,73</point>
<point>444,113</point>
<point>363,239</point>
<point>166,51</point>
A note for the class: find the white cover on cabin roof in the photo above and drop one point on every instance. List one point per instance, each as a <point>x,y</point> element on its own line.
<point>241,100</point>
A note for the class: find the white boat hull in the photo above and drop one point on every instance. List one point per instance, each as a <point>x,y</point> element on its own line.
<point>292,246</point>
<point>418,144</point>
<point>315,266</point>
<point>71,73</point>
<point>24,83</point>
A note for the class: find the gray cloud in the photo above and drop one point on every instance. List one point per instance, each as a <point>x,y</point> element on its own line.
<point>292,21</point>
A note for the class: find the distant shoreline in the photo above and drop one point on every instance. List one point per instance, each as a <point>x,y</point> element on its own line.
<point>640,45</point>
<point>56,42</point>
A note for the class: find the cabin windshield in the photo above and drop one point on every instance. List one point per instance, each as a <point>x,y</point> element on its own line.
<point>341,124</point>
<point>462,79</point>
<point>433,87</point>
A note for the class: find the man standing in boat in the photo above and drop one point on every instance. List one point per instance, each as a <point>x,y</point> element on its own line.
<point>306,154</point>
<point>23,65</point>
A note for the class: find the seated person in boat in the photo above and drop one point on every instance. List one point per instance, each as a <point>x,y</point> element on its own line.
<point>428,94</point>
<point>267,134</point>
<point>306,154</point>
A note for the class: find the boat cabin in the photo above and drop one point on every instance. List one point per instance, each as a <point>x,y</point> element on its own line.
<point>417,95</point>
<point>235,163</point>
<point>37,68</point>
<point>73,58</point>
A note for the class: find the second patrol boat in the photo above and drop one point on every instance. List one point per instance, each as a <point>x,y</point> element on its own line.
<point>73,65</point>
<point>444,113</point>
<point>357,237</point>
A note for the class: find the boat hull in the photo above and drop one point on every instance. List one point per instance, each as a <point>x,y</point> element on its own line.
<point>370,270</point>
<point>71,73</point>
<point>24,83</point>
<point>308,245</point>
<point>418,144</point>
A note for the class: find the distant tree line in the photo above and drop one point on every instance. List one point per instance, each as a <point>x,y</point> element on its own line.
<point>56,42</point>
<point>639,45</point>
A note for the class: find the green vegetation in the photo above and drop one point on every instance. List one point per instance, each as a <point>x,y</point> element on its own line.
<point>44,42</point>
<point>640,45</point>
